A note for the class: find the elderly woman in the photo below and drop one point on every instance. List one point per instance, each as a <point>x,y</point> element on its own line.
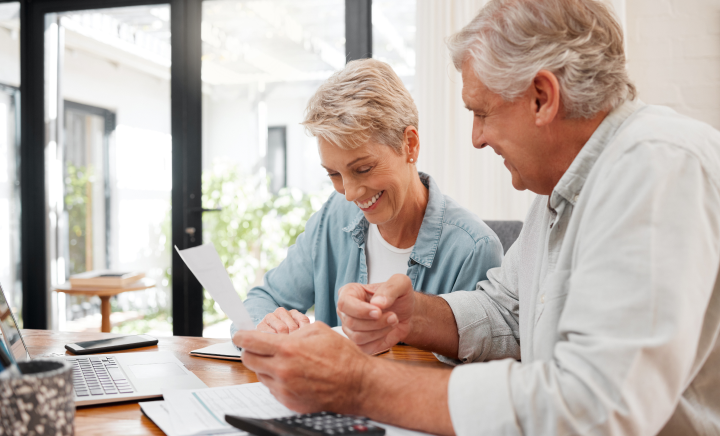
<point>386,218</point>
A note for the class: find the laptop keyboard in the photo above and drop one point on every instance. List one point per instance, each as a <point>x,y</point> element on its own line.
<point>99,376</point>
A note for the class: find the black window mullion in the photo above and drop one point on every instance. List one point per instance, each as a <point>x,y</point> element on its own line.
<point>186,92</point>
<point>186,109</point>
<point>186,143</point>
<point>33,253</point>
<point>358,29</point>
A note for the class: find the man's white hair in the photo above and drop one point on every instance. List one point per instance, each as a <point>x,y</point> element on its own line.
<point>579,41</point>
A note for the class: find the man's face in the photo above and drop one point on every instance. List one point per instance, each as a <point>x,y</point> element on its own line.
<point>509,129</point>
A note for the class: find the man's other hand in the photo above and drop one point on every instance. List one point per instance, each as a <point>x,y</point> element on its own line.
<point>282,321</point>
<point>377,316</point>
<point>313,369</point>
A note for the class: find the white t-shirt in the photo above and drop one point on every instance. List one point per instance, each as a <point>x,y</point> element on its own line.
<point>384,260</point>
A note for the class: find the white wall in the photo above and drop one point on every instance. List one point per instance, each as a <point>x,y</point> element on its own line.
<point>139,100</point>
<point>475,178</point>
<point>231,129</point>
<point>673,49</point>
<point>674,54</point>
<point>286,107</point>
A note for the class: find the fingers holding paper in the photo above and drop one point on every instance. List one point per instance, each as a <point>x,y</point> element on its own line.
<point>310,370</point>
<point>283,321</point>
<point>377,317</point>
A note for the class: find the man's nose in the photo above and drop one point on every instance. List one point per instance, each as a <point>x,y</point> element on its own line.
<point>478,137</point>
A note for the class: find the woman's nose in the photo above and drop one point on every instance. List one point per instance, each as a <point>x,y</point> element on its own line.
<point>353,192</point>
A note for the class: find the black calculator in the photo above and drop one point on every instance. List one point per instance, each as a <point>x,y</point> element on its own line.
<point>310,424</point>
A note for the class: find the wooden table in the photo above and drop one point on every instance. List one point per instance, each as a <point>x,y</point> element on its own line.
<point>126,418</point>
<point>104,294</point>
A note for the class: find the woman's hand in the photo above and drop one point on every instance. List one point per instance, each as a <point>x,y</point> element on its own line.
<point>377,316</point>
<point>282,321</point>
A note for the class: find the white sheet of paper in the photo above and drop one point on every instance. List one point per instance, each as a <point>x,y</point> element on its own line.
<point>202,411</point>
<point>205,263</point>
<point>159,413</point>
<point>226,349</point>
<point>339,330</point>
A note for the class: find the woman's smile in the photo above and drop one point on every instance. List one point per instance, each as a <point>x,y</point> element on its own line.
<point>370,204</point>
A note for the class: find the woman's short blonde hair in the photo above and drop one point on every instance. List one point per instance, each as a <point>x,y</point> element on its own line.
<point>365,100</point>
<point>579,41</point>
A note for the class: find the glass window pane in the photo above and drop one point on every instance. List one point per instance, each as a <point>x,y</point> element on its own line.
<point>10,273</point>
<point>109,160</point>
<point>10,44</point>
<point>393,32</point>
<point>262,61</point>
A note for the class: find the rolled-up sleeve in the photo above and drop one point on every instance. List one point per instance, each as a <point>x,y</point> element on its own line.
<point>487,318</point>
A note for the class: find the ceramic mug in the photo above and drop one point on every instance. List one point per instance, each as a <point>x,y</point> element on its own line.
<point>39,402</point>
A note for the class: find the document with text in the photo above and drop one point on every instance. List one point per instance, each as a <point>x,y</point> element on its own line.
<point>204,262</point>
<point>202,411</point>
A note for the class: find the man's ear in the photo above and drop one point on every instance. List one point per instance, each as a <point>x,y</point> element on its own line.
<point>411,142</point>
<point>545,92</point>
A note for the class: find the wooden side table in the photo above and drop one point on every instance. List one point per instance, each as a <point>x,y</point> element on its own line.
<point>105,294</point>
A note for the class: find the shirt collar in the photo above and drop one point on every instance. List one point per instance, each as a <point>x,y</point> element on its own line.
<point>430,229</point>
<point>571,183</point>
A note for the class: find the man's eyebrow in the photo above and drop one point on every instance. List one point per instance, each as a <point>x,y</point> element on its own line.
<point>482,110</point>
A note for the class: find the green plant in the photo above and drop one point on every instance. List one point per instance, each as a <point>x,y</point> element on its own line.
<point>254,229</point>
<point>77,197</point>
<point>251,233</point>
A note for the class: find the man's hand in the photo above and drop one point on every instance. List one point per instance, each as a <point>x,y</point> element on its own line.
<point>376,317</point>
<point>313,369</point>
<point>283,321</point>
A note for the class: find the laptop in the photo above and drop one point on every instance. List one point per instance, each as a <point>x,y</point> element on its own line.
<point>108,378</point>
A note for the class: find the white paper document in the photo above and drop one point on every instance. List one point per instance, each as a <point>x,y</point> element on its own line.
<point>159,413</point>
<point>223,350</point>
<point>205,264</point>
<point>202,411</point>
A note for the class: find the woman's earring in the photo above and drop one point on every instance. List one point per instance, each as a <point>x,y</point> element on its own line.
<point>411,160</point>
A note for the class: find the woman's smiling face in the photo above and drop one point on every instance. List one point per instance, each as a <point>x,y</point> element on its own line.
<point>373,176</point>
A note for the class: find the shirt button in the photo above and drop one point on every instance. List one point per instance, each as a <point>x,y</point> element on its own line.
<point>575,198</point>
<point>542,298</point>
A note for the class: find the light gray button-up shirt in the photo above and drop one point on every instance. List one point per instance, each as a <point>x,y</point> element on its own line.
<point>607,295</point>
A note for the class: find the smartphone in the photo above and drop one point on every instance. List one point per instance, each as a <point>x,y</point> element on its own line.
<point>112,344</point>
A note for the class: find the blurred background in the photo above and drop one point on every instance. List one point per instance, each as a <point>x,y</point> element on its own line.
<point>108,144</point>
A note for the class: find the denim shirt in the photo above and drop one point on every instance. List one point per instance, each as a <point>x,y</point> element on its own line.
<point>453,251</point>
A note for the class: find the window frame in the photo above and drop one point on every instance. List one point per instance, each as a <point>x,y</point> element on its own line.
<point>186,130</point>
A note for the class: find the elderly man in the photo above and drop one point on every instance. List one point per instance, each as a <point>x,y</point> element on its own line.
<point>606,298</point>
